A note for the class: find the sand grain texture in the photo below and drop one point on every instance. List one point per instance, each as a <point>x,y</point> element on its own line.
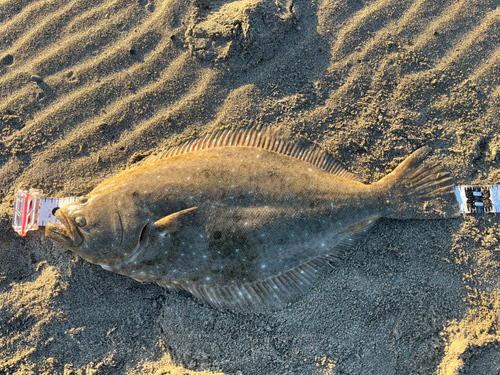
<point>90,87</point>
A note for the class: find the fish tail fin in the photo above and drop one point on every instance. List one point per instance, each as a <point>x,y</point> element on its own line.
<point>419,189</point>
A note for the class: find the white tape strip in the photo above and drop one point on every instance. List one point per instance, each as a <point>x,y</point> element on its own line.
<point>478,199</point>
<point>48,206</point>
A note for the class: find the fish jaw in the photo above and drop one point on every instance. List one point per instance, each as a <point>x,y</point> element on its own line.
<point>67,234</point>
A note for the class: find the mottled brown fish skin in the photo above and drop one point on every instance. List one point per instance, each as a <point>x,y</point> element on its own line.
<point>250,204</point>
<point>245,214</point>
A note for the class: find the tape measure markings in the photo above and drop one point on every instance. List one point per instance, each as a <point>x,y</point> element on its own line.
<point>474,199</point>
<point>47,206</point>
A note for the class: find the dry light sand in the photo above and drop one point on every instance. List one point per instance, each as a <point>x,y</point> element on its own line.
<point>90,87</point>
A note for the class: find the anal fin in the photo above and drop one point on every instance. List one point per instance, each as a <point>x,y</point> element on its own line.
<point>261,296</point>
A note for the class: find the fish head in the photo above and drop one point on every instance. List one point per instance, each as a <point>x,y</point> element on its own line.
<point>92,228</point>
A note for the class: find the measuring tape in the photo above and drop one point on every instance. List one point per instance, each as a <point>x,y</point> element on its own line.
<point>31,210</point>
<point>478,199</point>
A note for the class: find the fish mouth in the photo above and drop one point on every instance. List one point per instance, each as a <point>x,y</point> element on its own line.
<point>67,233</point>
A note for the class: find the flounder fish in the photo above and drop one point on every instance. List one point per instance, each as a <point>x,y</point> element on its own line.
<point>244,220</point>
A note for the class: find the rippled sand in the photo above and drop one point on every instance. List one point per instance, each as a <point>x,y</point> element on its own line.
<point>90,87</point>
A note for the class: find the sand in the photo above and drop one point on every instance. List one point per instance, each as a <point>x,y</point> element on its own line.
<point>87,88</point>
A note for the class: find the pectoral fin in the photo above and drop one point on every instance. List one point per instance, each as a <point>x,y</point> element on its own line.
<point>175,222</point>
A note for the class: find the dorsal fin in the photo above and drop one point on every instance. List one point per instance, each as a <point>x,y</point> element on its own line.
<point>271,139</point>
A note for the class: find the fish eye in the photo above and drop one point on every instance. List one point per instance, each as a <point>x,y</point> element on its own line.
<point>83,199</point>
<point>80,221</point>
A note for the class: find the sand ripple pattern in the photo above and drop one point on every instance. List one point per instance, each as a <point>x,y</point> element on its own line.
<point>88,87</point>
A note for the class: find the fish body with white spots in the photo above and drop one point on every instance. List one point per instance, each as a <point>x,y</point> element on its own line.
<point>244,220</point>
